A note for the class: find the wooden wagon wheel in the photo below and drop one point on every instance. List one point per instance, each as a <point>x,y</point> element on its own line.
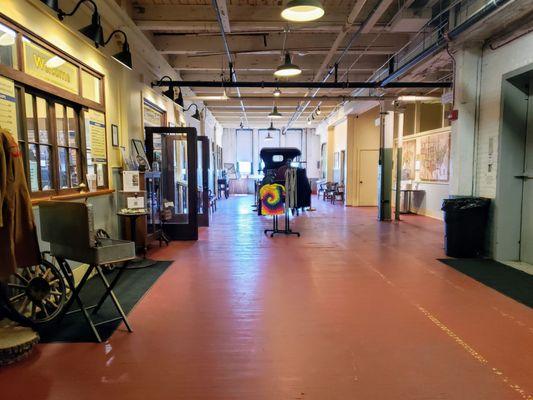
<point>38,292</point>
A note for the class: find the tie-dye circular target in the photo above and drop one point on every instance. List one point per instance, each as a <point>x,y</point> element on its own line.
<point>272,199</point>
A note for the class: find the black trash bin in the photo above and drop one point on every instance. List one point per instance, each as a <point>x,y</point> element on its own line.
<point>466,224</point>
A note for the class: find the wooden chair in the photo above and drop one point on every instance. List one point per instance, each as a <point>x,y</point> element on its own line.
<point>338,194</point>
<point>331,188</point>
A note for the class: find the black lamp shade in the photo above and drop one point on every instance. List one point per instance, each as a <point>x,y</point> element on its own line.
<point>169,93</point>
<point>124,57</point>
<point>196,115</point>
<point>179,100</point>
<point>53,4</point>
<point>94,31</point>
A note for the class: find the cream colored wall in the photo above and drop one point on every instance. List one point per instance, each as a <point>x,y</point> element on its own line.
<point>124,89</point>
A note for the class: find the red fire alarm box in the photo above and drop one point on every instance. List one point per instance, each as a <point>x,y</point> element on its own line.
<point>452,115</point>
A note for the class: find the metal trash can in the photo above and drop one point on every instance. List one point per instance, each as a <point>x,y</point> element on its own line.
<point>465,226</point>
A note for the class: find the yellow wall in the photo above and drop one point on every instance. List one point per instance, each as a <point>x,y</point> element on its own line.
<point>366,137</point>
<point>124,89</point>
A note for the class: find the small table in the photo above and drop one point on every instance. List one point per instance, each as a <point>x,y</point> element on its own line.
<point>133,226</point>
<point>409,194</point>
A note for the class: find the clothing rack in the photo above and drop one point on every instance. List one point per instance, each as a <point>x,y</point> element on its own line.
<point>275,226</point>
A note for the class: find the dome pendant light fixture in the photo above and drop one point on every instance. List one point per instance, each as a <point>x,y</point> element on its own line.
<point>277,92</point>
<point>303,10</point>
<point>287,68</point>
<point>275,114</point>
<point>270,129</point>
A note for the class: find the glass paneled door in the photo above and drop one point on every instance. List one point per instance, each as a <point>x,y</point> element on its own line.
<point>203,181</point>
<point>179,179</point>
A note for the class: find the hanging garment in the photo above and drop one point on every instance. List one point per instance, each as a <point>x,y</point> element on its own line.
<point>18,236</point>
<point>272,199</point>
<point>290,186</point>
<point>303,189</point>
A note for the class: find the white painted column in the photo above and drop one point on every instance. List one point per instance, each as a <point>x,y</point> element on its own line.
<point>464,129</point>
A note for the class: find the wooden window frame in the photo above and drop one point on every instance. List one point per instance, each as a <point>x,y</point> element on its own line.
<point>25,83</point>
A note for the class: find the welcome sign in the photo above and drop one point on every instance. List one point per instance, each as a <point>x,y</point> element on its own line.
<point>45,65</point>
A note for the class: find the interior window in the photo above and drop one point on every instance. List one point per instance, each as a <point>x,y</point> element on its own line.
<point>8,49</point>
<point>52,128</point>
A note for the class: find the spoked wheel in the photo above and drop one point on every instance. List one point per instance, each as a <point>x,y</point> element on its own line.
<point>38,292</point>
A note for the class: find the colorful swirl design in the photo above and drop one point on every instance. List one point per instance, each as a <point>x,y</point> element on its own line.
<point>272,199</point>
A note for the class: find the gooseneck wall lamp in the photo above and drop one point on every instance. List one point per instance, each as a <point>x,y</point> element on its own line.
<point>196,114</point>
<point>94,30</point>
<point>123,56</point>
<point>53,4</point>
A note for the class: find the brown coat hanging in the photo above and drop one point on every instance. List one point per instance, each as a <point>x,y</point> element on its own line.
<point>18,236</point>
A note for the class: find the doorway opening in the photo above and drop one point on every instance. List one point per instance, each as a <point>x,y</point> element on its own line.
<point>513,222</point>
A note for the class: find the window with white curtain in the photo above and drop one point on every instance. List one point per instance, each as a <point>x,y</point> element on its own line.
<point>244,149</point>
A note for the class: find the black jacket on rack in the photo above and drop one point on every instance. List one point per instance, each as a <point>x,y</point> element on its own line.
<point>303,189</point>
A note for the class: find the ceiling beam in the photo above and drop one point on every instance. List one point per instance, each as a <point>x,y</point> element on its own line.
<point>253,62</point>
<point>210,27</point>
<point>356,9</point>
<point>298,43</point>
<point>376,15</point>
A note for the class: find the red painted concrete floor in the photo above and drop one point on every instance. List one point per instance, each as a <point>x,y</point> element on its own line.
<point>354,309</point>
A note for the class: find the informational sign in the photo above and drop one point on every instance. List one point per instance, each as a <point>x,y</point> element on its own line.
<point>8,106</point>
<point>95,122</point>
<point>131,181</point>
<point>47,66</point>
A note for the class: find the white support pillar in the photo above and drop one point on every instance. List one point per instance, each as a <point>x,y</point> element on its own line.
<point>463,136</point>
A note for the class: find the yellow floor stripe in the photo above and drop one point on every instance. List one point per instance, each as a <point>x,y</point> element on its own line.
<point>474,353</point>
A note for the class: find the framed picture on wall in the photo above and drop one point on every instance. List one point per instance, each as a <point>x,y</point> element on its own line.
<point>114,136</point>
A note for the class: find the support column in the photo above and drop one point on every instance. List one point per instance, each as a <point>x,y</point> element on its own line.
<point>351,152</point>
<point>464,129</point>
<point>399,164</point>
<point>386,129</point>
<point>330,147</point>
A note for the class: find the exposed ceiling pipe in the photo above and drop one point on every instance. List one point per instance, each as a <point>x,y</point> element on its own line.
<point>355,11</point>
<point>318,98</point>
<point>309,85</point>
<point>228,53</point>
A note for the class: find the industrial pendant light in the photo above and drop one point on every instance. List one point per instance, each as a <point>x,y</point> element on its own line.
<point>270,129</point>
<point>303,10</point>
<point>124,56</point>
<point>275,114</point>
<point>318,111</point>
<point>94,30</point>
<point>53,4</point>
<point>277,92</point>
<point>287,68</point>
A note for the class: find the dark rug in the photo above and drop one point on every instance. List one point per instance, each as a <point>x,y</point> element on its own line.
<point>509,281</point>
<point>131,287</point>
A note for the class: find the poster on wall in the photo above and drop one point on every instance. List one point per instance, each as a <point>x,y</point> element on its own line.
<point>96,127</point>
<point>8,106</point>
<point>434,157</point>
<point>408,160</point>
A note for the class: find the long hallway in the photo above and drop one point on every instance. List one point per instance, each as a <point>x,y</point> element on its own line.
<point>354,309</point>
